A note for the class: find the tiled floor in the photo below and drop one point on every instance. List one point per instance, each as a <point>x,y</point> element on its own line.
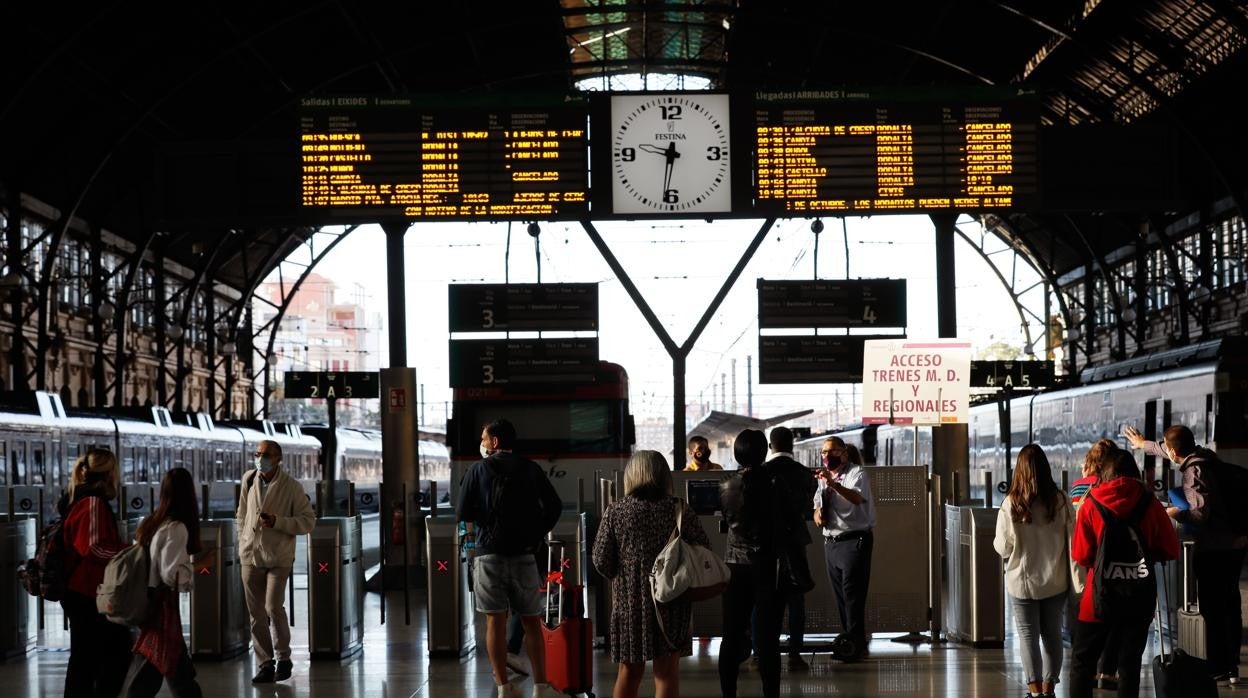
<point>394,663</point>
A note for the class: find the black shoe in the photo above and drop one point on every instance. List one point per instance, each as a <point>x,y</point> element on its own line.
<point>265,675</point>
<point>283,670</point>
<point>1223,679</point>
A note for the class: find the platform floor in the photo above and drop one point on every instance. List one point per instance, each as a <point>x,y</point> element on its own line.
<point>394,663</point>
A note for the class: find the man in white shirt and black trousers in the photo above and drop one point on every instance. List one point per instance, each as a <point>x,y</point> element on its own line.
<point>846,514</point>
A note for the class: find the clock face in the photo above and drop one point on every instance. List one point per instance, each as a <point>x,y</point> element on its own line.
<point>669,154</point>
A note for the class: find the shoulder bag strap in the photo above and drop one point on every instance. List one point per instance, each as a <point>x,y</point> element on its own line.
<point>658,617</point>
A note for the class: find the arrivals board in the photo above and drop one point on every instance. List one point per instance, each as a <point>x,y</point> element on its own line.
<point>518,307</point>
<point>369,158</point>
<point>848,153</point>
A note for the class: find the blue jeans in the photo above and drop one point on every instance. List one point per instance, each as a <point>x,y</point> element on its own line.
<point>1039,623</point>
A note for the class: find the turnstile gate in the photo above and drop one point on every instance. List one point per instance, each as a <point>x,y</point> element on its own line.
<point>219,620</point>
<point>974,577</point>
<point>335,588</point>
<point>18,624</point>
<point>449,605</point>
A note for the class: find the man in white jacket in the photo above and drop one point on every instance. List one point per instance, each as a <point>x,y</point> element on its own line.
<point>272,510</point>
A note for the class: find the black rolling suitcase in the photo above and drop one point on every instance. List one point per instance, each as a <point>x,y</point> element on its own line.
<point>1178,674</point>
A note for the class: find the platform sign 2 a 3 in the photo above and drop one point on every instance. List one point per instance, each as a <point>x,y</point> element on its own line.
<point>327,385</point>
<point>912,381</point>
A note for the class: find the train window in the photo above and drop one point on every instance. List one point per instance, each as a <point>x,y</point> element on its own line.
<point>4,463</point>
<point>157,464</point>
<point>36,463</point>
<point>18,457</point>
<point>127,465</point>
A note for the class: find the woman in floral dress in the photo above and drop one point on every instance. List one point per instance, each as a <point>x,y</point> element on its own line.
<point>632,534</point>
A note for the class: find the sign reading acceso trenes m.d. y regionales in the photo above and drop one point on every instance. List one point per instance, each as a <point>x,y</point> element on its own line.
<point>907,381</point>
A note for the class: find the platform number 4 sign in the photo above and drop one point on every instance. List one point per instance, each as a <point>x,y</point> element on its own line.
<point>398,399</point>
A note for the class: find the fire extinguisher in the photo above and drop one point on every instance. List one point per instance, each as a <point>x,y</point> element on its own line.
<point>398,527</point>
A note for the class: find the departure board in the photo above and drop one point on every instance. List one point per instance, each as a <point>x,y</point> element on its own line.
<point>850,153</point>
<point>367,158</point>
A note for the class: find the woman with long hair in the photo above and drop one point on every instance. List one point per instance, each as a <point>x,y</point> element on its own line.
<point>1034,527</point>
<point>97,648</point>
<point>171,536</point>
<point>634,530</point>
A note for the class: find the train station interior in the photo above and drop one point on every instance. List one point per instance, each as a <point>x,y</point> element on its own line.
<point>176,185</point>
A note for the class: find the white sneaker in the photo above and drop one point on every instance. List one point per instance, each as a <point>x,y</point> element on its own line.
<point>545,690</point>
<point>516,663</point>
<point>508,690</point>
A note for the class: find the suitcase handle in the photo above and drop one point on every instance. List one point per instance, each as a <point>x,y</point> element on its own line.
<point>1161,607</point>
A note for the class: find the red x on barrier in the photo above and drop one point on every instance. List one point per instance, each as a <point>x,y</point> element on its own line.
<point>567,563</point>
<point>205,570</point>
<point>443,566</point>
<point>322,567</point>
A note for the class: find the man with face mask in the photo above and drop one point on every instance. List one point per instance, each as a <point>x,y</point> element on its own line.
<point>700,455</point>
<point>272,510</point>
<point>846,514</point>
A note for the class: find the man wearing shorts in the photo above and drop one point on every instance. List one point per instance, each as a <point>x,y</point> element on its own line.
<point>512,506</point>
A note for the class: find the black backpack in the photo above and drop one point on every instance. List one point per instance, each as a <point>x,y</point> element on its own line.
<point>511,525</point>
<point>1124,586</point>
<point>45,574</point>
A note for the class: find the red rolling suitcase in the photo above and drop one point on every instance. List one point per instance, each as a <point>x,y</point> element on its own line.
<point>568,635</point>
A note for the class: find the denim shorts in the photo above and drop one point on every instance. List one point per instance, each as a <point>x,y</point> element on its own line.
<point>507,582</point>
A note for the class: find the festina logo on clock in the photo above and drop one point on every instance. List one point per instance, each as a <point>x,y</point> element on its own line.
<point>669,153</point>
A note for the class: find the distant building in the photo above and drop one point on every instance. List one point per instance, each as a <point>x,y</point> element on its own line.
<point>325,328</point>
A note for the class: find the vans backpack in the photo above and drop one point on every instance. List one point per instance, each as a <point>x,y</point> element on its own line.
<point>122,596</point>
<point>1124,586</point>
<point>512,521</point>
<point>45,574</point>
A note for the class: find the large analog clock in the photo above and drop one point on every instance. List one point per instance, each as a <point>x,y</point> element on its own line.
<point>669,154</point>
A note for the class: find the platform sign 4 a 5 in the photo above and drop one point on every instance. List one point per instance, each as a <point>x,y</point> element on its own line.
<point>907,381</point>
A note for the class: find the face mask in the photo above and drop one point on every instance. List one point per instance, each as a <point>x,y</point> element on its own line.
<point>830,461</point>
<point>485,452</point>
<point>264,464</point>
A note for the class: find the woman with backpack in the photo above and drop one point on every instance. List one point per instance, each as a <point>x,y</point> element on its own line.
<point>1122,520</point>
<point>1034,526</point>
<point>634,530</point>
<point>97,648</point>
<point>171,536</point>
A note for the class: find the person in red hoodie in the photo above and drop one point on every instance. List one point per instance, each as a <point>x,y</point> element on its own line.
<point>1119,491</point>
<point>99,651</point>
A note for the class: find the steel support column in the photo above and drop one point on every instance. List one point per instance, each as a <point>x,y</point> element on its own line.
<point>396,292</point>
<point>946,278</point>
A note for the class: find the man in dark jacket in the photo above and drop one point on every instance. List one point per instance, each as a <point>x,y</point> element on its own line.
<point>512,506</point>
<point>1219,550</point>
<point>799,483</point>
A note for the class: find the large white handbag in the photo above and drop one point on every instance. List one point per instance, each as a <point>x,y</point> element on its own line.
<point>686,571</point>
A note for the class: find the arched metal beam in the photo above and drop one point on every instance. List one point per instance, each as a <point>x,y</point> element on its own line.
<point>1009,287</point>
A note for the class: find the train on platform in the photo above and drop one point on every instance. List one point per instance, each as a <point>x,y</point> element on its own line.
<point>40,440</point>
<point>1203,386</point>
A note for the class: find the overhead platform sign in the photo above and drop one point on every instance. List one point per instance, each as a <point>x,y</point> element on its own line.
<point>523,307</point>
<point>847,303</point>
<point>1012,375</point>
<point>916,381</point>
<point>337,385</point>
<point>476,363</point>
<point>811,359</point>
<point>365,158</point>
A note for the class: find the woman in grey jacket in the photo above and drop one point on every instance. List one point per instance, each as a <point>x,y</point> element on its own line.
<point>1034,528</point>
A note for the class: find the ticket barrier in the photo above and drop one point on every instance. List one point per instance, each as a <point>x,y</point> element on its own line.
<point>18,623</point>
<point>220,625</point>
<point>974,578</point>
<point>335,588</point>
<point>449,605</point>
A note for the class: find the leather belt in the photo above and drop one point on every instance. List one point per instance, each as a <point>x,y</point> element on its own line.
<point>850,535</point>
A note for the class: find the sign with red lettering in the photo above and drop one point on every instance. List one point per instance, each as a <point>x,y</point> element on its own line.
<point>908,381</point>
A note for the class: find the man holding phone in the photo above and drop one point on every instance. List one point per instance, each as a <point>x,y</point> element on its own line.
<point>272,510</point>
<point>846,514</point>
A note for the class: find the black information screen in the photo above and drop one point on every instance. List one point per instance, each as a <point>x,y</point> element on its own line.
<point>848,303</point>
<point>519,307</point>
<point>1018,375</point>
<point>847,152</point>
<point>476,363</point>
<point>338,385</point>
<point>811,359</point>
<point>366,158</point>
